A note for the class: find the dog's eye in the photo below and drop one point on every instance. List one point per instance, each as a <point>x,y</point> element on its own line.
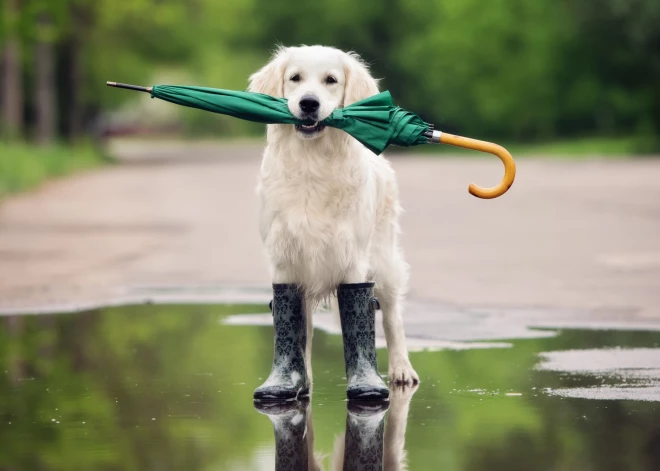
<point>295,78</point>
<point>330,79</point>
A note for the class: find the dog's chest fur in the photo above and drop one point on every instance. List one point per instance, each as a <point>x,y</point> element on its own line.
<point>316,214</point>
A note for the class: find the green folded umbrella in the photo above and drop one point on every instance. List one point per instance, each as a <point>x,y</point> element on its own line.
<point>375,121</point>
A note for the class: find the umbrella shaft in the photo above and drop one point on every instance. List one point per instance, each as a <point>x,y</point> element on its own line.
<point>129,87</point>
<point>434,136</point>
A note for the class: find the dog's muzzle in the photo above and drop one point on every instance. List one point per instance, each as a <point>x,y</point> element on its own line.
<point>311,128</point>
<point>309,107</point>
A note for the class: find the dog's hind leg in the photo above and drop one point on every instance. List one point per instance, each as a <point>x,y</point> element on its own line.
<point>357,310</point>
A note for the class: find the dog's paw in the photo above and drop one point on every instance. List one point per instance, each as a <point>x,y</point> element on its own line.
<point>401,394</point>
<point>401,372</point>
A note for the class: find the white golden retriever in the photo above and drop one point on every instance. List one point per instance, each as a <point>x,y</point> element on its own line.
<point>329,206</point>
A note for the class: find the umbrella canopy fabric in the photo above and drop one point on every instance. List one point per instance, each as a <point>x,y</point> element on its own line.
<point>375,121</point>
<point>244,105</point>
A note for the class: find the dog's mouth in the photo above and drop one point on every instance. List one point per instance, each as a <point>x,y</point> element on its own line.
<point>310,129</point>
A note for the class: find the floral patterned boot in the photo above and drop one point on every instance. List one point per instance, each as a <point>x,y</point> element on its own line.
<point>363,443</point>
<point>288,376</point>
<point>290,425</point>
<point>357,309</point>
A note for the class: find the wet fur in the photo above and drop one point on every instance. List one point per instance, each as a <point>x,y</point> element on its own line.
<point>329,206</point>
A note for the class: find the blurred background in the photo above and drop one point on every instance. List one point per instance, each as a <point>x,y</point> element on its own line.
<point>583,75</point>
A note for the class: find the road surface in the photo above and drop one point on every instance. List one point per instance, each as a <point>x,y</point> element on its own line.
<point>173,218</point>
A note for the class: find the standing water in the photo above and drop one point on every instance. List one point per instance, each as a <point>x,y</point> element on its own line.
<point>170,388</point>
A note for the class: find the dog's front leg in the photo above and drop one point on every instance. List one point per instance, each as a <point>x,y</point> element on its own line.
<point>283,274</point>
<point>400,370</point>
<point>357,310</point>
<point>288,378</point>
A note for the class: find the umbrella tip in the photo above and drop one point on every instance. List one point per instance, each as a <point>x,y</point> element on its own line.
<point>129,87</point>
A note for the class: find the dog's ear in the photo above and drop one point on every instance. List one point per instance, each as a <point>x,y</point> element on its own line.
<point>270,78</point>
<point>359,82</point>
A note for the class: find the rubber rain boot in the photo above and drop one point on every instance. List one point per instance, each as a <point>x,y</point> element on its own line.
<point>289,421</point>
<point>363,442</point>
<point>357,310</point>
<point>288,377</point>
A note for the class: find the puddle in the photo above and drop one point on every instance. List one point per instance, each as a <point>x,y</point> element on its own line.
<point>627,374</point>
<point>168,387</point>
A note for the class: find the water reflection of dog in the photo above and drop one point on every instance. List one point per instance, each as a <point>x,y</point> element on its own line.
<point>366,444</point>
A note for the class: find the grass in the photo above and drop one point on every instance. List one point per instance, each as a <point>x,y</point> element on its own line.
<point>24,166</point>
<point>587,147</point>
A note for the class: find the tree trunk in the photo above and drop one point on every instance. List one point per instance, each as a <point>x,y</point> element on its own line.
<point>82,16</point>
<point>46,105</point>
<point>74,88</point>
<point>12,83</point>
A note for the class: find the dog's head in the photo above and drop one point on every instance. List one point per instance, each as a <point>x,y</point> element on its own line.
<point>315,80</point>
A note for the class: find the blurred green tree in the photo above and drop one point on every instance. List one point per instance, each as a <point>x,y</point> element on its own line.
<point>505,69</point>
<point>11,96</point>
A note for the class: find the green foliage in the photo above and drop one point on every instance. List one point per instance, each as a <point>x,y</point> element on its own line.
<point>572,148</point>
<point>493,66</point>
<point>25,166</point>
<point>511,70</point>
<point>505,69</point>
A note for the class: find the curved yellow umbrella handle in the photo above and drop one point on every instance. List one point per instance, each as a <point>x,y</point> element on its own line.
<point>483,146</point>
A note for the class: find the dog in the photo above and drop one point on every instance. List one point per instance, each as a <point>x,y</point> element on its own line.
<point>329,206</point>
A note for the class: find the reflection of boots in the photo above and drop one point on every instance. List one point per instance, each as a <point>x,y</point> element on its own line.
<point>290,424</point>
<point>288,376</point>
<point>357,309</point>
<point>363,445</point>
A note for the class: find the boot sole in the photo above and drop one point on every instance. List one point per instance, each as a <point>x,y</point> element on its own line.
<point>293,396</point>
<point>281,407</point>
<point>368,408</point>
<point>373,395</point>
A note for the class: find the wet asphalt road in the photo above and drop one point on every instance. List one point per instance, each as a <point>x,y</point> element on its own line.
<point>578,236</point>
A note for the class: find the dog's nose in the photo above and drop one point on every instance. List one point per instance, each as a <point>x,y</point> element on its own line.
<point>309,104</point>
